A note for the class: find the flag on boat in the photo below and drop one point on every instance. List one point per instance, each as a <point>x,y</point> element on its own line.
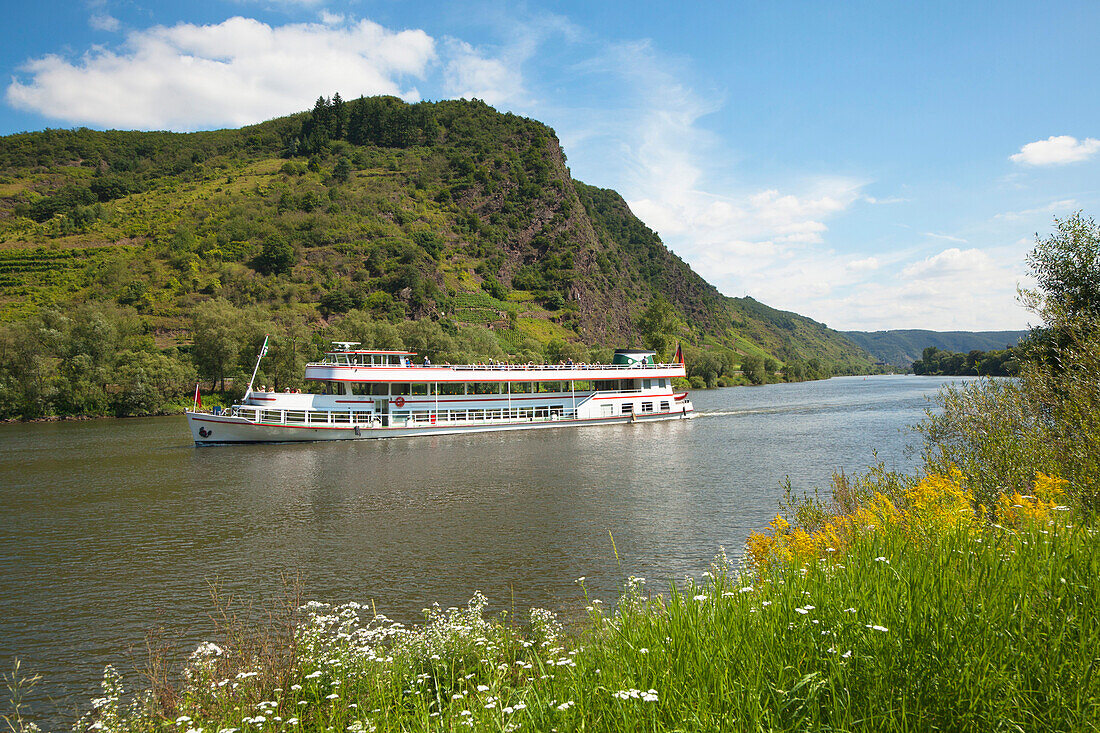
<point>263,349</point>
<point>198,398</point>
<point>679,358</point>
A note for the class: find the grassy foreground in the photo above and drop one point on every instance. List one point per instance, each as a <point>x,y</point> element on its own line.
<point>907,614</point>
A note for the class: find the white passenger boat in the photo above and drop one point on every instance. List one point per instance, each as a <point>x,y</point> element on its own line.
<point>364,394</point>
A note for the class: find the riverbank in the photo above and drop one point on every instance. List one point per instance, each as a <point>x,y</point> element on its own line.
<point>932,619</point>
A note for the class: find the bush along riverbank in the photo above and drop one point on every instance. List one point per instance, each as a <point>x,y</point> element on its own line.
<point>962,598</point>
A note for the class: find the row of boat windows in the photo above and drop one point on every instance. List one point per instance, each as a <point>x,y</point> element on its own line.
<point>628,408</point>
<point>382,389</point>
<point>516,413</point>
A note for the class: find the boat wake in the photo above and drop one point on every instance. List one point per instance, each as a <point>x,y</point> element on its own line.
<point>786,409</point>
<point>724,413</point>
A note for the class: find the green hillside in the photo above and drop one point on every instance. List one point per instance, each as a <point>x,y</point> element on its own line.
<point>447,213</point>
<point>903,347</point>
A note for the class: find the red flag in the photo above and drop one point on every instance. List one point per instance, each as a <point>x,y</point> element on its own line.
<point>198,398</point>
<point>679,358</point>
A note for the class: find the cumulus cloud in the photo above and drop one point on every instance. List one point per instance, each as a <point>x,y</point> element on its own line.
<point>1056,150</point>
<point>237,72</point>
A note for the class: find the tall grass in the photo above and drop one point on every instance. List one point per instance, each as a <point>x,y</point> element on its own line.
<point>974,627</point>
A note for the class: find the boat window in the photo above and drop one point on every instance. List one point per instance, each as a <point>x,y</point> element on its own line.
<point>401,388</point>
<point>628,408</point>
<point>647,407</point>
<point>583,385</point>
<point>420,388</point>
<point>664,407</point>
<point>360,388</point>
<point>319,386</point>
<point>521,387</point>
<point>607,410</point>
<point>452,388</point>
<point>647,384</point>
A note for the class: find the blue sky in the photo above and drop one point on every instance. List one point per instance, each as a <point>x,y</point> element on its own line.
<point>870,164</point>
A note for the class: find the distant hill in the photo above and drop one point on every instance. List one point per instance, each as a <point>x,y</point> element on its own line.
<point>903,347</point>
<point>449,212</point>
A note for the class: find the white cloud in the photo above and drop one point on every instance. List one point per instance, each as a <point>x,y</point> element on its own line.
<point>104,22</point>
<point>1052,207</point>
<point>947,237</point>
<point>472,74</point>
<point>236,72</point>
<point>330,18</point>
<point>1056,150</point>
<point>948,262</point>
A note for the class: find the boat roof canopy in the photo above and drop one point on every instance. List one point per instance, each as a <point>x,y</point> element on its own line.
<point>345,347</point>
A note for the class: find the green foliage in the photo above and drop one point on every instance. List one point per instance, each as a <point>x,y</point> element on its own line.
<point>999,433</point>
<point>657,324</point>
<point>277,256</point>
<point>753,369</point>
<point>215,328</point>
<point>1003,363</point>
<point>89,361</point>
<point>342,172</point>
<point>1066,267</point>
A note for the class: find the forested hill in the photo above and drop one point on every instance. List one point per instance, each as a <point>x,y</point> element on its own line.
<point>447,213</point>
<point>903,347</point>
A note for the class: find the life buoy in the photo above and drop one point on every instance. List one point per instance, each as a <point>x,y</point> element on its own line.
<point>400,402</point>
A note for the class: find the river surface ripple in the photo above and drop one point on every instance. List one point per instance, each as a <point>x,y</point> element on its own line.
<point>109,528</point>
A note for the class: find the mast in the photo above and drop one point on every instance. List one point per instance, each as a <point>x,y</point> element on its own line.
<point>263,351</point>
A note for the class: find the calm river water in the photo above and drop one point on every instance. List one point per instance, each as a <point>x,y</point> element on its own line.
<point>109,528</point>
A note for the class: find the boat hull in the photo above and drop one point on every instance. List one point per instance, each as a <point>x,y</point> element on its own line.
<point>209,429</point>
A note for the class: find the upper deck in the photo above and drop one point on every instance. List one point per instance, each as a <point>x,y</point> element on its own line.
<point>347,365</point>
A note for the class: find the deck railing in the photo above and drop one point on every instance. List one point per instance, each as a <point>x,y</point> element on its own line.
<point>503,367</point>
<point>403,418</point>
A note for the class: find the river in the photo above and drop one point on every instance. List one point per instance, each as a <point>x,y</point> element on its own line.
<point>109,528</point>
